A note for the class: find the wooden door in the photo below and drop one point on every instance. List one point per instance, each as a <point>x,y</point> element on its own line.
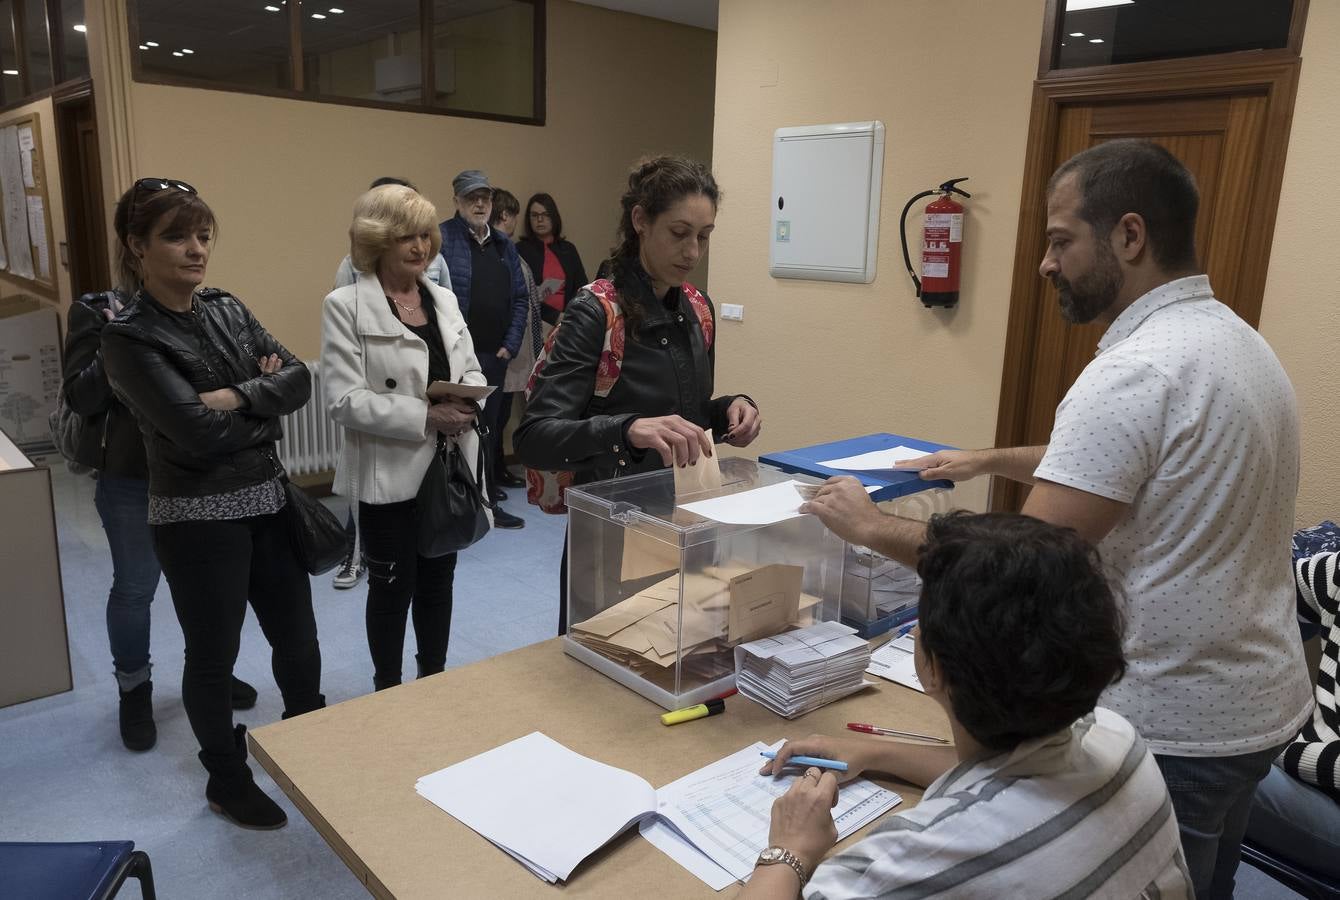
<point>81,184</point>
<point>1230,131</point>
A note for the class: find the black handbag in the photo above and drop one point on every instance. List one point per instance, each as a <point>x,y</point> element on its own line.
<point>450,503</point>
<point>319,539</point>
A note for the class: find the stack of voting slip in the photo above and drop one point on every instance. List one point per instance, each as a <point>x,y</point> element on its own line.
<point>721,606</point>
<point>549,808</point>
<point>794,673</point>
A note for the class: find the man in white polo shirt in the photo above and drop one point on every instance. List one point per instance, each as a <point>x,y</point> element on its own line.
<point>1176,452</point>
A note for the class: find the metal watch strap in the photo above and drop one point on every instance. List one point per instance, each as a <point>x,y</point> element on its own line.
<point>774,854</point>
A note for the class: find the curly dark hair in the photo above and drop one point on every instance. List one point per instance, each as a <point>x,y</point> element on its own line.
<point>1021,622</point>
<point>655,184</point>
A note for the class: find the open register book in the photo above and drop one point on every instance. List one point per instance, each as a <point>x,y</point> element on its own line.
<point>550,808</point>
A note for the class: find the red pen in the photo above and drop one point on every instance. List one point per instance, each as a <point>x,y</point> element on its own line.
<point>892,732</point>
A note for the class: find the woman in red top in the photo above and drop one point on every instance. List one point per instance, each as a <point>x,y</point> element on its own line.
<point>552,260</point>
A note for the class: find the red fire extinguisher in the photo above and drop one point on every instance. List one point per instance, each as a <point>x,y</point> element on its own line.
<point>941,246</point>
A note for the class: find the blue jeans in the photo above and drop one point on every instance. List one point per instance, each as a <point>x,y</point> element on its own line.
<point>1212,797</point>
<point>1296,821</point>
<point>123,506</point>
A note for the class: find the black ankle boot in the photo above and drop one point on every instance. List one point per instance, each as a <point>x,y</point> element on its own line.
<point>318,703</point>
<point>138,731</point>
<point>244,695</point>
<point>233,793</point>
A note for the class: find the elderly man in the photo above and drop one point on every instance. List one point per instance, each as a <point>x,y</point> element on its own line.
<point>486,278</point>
<point>1176,452</point>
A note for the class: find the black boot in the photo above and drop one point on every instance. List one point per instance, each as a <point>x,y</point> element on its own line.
<point>233,793</point>
<point>138,731</point>
<point>244,695</point>
<point>300,708</point>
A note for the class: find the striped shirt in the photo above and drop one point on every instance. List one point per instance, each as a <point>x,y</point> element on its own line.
<point>1314,755</point>
<point>1081,813</point>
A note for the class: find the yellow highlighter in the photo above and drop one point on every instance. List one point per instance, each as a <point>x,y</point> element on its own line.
<point>702,710</point>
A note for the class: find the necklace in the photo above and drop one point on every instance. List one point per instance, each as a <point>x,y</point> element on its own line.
<point>408,309</point>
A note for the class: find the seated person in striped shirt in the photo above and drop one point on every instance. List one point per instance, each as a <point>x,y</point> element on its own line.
<point>1296,810</point>
<point>1041,794</point>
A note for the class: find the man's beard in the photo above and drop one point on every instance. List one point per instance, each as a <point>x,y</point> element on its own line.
<point>1092,293</point>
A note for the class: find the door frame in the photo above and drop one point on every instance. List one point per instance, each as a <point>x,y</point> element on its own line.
<point>89,268</point>
<point>1275,76</point>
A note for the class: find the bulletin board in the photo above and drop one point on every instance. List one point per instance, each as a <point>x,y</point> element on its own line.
<point>25,208</point>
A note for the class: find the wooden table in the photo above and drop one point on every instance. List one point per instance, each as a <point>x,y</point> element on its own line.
<point>351,768</point>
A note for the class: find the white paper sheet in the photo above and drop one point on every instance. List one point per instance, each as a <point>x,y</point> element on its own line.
<point>544,804</point>
<point>15,206</point>
<point>37,233</point>
<point>760,506</point>
<point>895,662</point>
<point>670,842</point>
<point>724,809</point>
<point>875,459</point>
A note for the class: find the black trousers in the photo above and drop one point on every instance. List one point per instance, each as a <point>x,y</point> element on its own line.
<point>495,370</point>
<point>214,569</point>
<point>400,580</point>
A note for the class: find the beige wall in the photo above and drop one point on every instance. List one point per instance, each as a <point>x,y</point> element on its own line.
<point>829,361</point>
<point>1301,291</point>
<point>826,360</point>
<point>282,175</point>
<point>9,285</point>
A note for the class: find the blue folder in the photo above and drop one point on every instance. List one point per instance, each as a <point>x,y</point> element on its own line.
<point>890,484</point>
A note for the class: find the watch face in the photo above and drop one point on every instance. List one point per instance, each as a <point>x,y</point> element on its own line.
<point>772,854</point>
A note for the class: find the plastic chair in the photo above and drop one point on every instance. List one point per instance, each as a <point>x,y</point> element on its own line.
<point>74,871</point>
<point>1290,874</point>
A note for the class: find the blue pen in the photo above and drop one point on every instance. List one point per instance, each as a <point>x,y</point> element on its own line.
<point>906,629</point>
<point>808,761</point>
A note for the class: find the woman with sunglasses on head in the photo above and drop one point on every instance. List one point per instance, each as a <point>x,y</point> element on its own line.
<point>208,384</point>
<point>552,259</point>
<point>624,384</point>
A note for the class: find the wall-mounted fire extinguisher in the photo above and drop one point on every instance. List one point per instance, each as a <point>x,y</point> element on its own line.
<point>941,246</point>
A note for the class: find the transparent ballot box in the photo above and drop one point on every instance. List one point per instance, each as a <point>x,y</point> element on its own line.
<point>659,596</point>
<point>878,593</point>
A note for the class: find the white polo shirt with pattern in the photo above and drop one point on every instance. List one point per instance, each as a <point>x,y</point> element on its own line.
<point>1186,414</point>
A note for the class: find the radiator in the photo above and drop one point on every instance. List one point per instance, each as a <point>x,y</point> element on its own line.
<point>311,442</point>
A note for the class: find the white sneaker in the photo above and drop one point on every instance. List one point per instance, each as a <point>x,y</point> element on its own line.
<point>349,574</point>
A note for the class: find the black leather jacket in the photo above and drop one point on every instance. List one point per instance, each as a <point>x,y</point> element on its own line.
<point>110,440</point>
<point>667,370</point>
<point>160,361</point>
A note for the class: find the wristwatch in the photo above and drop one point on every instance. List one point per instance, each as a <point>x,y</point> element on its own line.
<point>773,855</point>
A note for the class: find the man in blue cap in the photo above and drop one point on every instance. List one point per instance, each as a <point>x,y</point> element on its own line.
<point>486,278</point>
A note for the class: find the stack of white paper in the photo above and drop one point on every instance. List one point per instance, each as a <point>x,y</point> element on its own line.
<point>549,808</point>
<point>801,670</point>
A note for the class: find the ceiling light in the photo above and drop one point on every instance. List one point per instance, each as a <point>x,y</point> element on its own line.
<point>317,16</point>
<point>272,9</point>
<point>176,53</point>
<point>1078,5</point>
<point>1077,34</point>
<point>81,28</point>
<point>336,10</point>
<point>144,46</point>
<point>1095,40</point>
<point>11,71</point>
<point>187,51</point>
<point>151,43</point>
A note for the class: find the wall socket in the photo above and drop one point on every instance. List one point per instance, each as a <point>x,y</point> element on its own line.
<point>732,311</point>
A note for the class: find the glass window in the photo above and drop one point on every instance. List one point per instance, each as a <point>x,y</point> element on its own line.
<point>73,43</point>
<point>36,45</point>
<point>484,56</point>
<point>241,45</point>
<point>1104,32</point>
<point>363,51</point>
<point>11,84</point>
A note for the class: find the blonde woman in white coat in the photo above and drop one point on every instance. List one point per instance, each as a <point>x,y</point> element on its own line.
<point>383,340</point>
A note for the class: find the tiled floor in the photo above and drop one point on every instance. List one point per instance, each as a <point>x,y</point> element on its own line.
<point>64,775</point>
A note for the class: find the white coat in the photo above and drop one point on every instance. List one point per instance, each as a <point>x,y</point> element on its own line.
<point>375,376</point>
